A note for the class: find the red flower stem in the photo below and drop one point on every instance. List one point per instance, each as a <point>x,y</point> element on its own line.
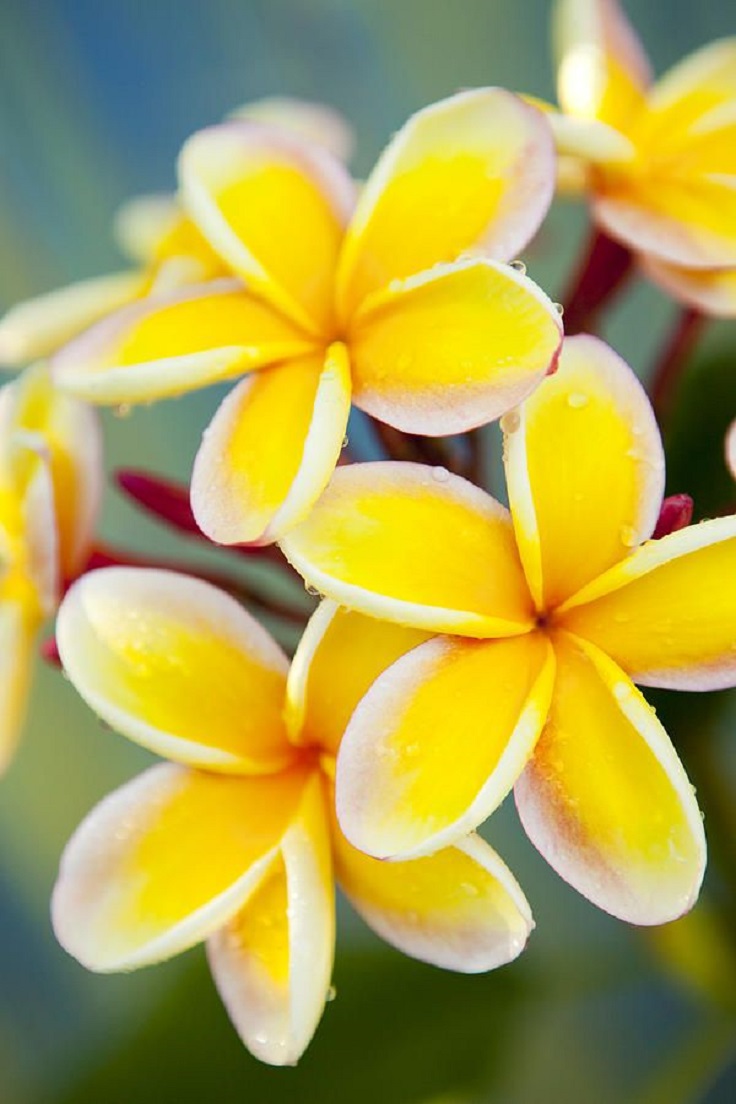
<point>423,450</point>
<point>106,556</point>
<point>672,359</point>
<point>603,271</point>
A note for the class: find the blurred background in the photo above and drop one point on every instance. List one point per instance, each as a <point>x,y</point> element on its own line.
<point>95,99</point>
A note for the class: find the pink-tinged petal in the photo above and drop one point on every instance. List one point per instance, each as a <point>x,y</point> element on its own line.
<point>166,861</point>
<point>275,209</point>
<point>272,963</point>
<point>603,72</point>
<point>471,174</point>
<point>40,326</point>
<point>605,798</point>
<point>271,448</point>
<point>316,123</point>
<point>143,223</point>
<point>172,343</point>
<point>178,666</point>
<point>667,614</point>
<point>711,291</point>
<point>584,468</point>
<point>438,742</point>
<point>18,629</point>
<point>731,449</point>
<point>460,909</point>
<point>417,546</point>
<point>453,348</point>
<point>589,140</point>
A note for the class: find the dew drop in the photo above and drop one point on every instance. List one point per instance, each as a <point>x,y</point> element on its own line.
<point>559,308</point>
<point>123,410</point>
<point>440,475</point>
<point>577,400</point>
<point>510,422</point>
<point>345,441</point>
<point>519,266</point>
<point>331,994</point>
<point>628,536</point>
<point>311,590</point>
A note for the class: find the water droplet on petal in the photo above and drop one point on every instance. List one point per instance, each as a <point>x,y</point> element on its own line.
<point>331,993</point>
<point>519,266</point>
<point>577,400</point>
<point>510,422</point>
<point>628,536</point>
<point>345,441</point>
<point>311,590</point>
<point>559,308</point>
<point>123,410</point>
<point>441,475</point>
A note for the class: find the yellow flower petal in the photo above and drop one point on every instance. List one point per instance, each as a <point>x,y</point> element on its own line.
<point>39,326</point>
<point>173,343</point>
<point>453,348</point>
<point>271,448</point>
<point>178,666</point>
<point>605,798</point>
<point>461,908</point>
<point>584,468</point>
<point>142,223</point>
<point>474,172</point>
<point>167,860</point>
<point>702,82</point>
<point>712,291</point>
<point>667,614</point>
<point>602,71</point>
<point>274,208</point>
<point>439,740</point>
<point>339,656</point>
<point>29,539</point>
<point>313,122</point>
<point>17,638</point>
<point>414,545</point>
<point>272,963</point>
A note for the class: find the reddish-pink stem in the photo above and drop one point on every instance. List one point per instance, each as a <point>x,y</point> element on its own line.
<point>605,267</point>
<point>672,359</point>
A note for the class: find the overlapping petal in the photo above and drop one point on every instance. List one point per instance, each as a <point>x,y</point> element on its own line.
<point>712,291</point>
<point>171,343</point>
<point>17,638</point>
<point>667,614</point>
<point>178,666</point>
<point>314,122</point>
<point>272,963</point>
<point>461,908</point>
<point>584,468</point>
<point>605,798</point>
<point>167,860</point>
<point>271,448</point>
<point>274,208</point>
<point>339,656</point>
<point>39,326</point>
<point>472,173</point>
<point>453,348</point>
<point>414,545</point>
<point>439,740</point>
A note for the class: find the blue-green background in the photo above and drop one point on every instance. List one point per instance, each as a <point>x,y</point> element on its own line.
<point>95,99</point>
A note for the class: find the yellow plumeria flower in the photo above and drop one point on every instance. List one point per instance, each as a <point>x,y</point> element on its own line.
<point>160,240</point>
<point>237,843</point>
<point>658,159</point>
<point>50,483</point>
<point>552,611</point>
<point>401,304</point>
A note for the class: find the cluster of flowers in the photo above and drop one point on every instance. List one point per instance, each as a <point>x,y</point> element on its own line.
<point>462,650</point>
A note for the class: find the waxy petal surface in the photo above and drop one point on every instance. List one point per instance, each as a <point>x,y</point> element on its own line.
<point>439,740</point>
<point>471,174</point>
<point>453,348</point>
<point>460,909</point>
<point>667,615</point>
<point>271,449</point>
<point>178,666</point>
<point>584,469</point>
<point>176,342</point>
<point>275,208</point>
<point>272,963</point>
<point>167,860</point>
<point>414,545</point>
<point>605,798</point>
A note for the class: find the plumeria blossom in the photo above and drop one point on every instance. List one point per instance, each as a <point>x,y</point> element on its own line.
<point>549,614</point>
<point>50,482</point>
<point>163,244</point>
<point>403,303</point>
<point>235,842</point>
<point>658,159</point>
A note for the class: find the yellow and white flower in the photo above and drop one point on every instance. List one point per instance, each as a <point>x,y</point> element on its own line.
<point>403,304</point>
<point>235,843</point>
<point>550,613</point>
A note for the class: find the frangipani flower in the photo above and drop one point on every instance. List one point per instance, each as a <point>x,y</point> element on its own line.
<point>237,844</point>
<point>50,482</point>
<point>659,160</point>
<point>164,245</point>
<point>402,305</point>
<point>551,613</point>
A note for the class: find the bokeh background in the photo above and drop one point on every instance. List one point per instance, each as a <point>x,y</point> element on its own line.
<point>95,99</point>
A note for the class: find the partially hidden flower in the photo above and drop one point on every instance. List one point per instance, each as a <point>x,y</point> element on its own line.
<point>235,843</point>
<point>658,159</point>
<point>551,613</point>
<point>403,304</point>
<point>164,245</point>
<point>50,484</point>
